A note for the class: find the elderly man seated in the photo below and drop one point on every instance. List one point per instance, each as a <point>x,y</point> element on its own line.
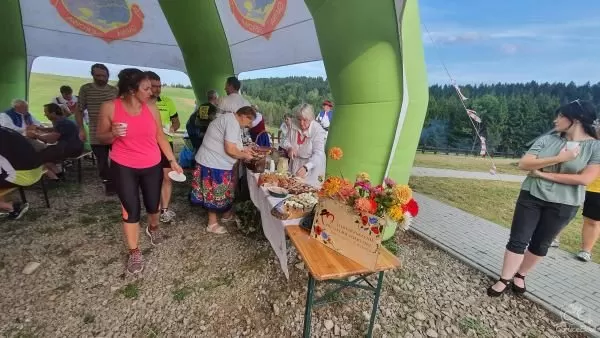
<point>19,119</point>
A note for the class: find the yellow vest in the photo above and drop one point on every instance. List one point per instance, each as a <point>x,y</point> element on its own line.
<point>594,186</point>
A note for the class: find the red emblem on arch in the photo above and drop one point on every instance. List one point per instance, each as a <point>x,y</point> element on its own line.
<point>109,22</point>
<point>261,20</point>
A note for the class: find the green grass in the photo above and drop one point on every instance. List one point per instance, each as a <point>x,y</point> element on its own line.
<point>44,87</point>
<point>467,163</point>
<point>494,201</point>
<point>131,291</point>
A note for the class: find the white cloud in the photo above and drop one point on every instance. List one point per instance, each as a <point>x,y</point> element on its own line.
<point>570,30</point>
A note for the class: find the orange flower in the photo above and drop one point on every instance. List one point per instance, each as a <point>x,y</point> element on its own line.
<point>346,190</point>
<point>363,205</point>
<point>331,186</point>
<point>336,153</point>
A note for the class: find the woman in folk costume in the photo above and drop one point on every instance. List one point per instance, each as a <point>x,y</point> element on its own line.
<point>258,130</point>
<point>305,145</point>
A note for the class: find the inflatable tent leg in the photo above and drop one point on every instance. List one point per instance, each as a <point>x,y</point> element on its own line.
<point>198,30</point>
<point>361,49</point>
<point>13,59</point>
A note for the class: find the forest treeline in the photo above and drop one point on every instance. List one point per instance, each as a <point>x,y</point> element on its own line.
<point>512,114</point>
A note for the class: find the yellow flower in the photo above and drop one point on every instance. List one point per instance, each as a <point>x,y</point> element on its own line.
<point>336,153</point>
<point>363,177</point>
<point>396,213</point>
<point>402,193</point>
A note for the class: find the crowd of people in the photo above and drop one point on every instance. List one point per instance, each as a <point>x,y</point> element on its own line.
<point>129,129</point>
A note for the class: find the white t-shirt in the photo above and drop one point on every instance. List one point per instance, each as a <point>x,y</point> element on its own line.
<point>231,103</point>
<point>72,104</point>
<point>61,100</point>
<point>212,151</point>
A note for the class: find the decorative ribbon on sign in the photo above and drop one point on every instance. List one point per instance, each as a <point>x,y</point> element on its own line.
<point>473,117</point>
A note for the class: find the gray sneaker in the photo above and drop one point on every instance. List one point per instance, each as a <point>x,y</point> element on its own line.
<point>584,256</point>
<point>135,263</point>
<point>155,236</point>
<point>167,216</point>
<point>555,243</point>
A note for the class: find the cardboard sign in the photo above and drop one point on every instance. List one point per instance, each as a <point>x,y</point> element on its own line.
<point>355,236</point>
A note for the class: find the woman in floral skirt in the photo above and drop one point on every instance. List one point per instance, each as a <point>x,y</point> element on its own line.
<point>213,184</point>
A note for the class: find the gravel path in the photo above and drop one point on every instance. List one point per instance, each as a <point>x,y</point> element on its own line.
<point>204,285</point>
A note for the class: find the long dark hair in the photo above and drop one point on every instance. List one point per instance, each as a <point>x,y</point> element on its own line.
<point>129,79</point>
<point>582,111</point>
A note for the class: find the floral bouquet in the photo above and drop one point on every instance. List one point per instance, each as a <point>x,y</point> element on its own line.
<point>388,200</point>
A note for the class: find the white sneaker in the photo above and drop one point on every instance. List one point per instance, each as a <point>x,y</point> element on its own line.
<point>167,216</point>
<point>555,243</point>
<point>584,256</point>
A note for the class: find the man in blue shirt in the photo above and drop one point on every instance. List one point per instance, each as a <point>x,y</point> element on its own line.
<point>64,137</point>
<point>324,117</point>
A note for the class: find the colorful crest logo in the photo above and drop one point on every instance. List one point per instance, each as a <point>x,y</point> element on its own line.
<point>108,20</point>
<point>258,16</point>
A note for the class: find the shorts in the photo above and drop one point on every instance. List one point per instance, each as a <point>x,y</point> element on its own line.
<point>164,162</point>
<point>591,206</point>
<point>128,183</point>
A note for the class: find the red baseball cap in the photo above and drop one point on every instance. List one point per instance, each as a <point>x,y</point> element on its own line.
<point>327,103</point>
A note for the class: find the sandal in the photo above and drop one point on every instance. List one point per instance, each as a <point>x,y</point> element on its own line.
<point>493,293</point>
<point>216,229</point>
<point>232,219</point>
<point>518,289</point>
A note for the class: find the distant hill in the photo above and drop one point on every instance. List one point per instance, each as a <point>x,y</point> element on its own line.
<point>44,87</point>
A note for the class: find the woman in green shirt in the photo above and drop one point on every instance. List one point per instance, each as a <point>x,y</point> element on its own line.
<point>560,167</point>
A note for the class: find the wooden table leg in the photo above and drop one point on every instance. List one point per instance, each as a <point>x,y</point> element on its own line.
<point>309,304</point>
<point>375,304</point>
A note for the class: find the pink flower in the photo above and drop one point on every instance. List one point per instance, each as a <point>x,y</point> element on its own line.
<point>389,182</point>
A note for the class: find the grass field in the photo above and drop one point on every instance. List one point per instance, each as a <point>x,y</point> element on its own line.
<point>467,163</point>
<point>45,87</point>
<point>492,200</point>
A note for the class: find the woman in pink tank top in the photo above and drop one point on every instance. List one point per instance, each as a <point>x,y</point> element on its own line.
<point>134,129</point>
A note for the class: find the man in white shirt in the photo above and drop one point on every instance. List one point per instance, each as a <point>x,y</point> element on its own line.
<point>234,100</point>
<point>18,117</point>
<point>69,100</point>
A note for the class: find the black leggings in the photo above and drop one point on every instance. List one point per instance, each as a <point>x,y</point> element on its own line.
<point>536,223</point>
<point>128,182</point>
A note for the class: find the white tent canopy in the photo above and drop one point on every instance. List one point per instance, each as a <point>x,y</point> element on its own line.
<point>136,32</point>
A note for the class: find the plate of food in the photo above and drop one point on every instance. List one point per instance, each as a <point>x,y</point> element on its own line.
<point>278,192</point>
<point>296,206</point>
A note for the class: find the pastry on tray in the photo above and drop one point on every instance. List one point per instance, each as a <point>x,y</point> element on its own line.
<point>296,206</point>
<point>269,179</point>
<point>295,186</point>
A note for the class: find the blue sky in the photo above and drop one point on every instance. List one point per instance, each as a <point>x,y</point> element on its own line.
<point>479,41</point>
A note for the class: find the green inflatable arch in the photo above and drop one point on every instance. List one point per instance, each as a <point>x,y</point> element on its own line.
<point>377,79</point>
<point>373,56</point>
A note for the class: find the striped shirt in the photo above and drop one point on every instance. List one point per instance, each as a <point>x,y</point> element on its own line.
<point>91,97</point>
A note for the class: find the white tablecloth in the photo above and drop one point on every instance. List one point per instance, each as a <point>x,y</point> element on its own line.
<point>272,227</point>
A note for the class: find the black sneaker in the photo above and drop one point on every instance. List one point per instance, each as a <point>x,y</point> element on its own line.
<point>18,210</point>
